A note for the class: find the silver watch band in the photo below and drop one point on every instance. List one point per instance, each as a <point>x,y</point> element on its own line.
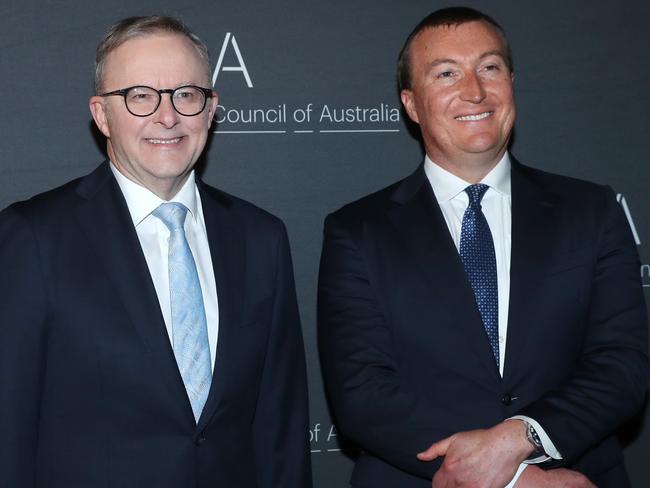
<point>533,438</point>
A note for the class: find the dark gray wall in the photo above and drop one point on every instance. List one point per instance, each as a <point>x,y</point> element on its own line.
<point>582,78</point>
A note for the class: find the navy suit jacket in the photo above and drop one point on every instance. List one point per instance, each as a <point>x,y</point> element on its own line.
<point>404,353</point>
<point>90,393</point>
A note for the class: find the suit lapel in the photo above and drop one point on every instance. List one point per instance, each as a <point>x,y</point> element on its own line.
<point>422,227</point>
<point>105,220</point>
<point>533,210</point>
<point>227,250</point>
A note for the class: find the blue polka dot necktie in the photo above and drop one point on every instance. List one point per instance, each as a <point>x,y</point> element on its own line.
<point>479,260</point>
<point>189,325</point>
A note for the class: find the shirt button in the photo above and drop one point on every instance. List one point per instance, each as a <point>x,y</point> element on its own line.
<point>501,339</point>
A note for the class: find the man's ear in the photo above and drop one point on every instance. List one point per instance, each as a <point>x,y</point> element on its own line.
<point>98,110</point>
<point>409,105</point>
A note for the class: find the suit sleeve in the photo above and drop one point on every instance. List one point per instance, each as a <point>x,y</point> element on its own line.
<point>610,379</point>
<point>371,404</point>
<point>281,424</point>
<point>22,348</point>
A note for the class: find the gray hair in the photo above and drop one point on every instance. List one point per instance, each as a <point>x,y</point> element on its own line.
<point>133,27</point>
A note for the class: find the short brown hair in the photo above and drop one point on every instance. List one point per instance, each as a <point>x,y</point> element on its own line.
<point>447,17</point>
<point>133,27</point>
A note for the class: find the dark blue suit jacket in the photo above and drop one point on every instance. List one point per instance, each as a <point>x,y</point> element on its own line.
<point>90,394</point>
<point>404,353</point>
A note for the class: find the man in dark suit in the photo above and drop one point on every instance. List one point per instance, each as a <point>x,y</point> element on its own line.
<point>480,318</point>
<point>149,332</point>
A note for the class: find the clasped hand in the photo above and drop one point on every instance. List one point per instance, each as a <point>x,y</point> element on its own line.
<point>489,458</point>
<point>484,458</point>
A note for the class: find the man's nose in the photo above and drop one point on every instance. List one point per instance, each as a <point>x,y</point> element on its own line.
<point>166,113</point>
<point>472,89</point>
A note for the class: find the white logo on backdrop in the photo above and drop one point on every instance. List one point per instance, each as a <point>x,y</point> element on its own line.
<point>323,438</point>
<point>645,268</point>
<point>283,117</point>
<point>230,40</point>
<point>621,199</point>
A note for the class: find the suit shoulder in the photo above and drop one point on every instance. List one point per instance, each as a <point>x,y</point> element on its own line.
<point>48,204</point>
<point>247,213</point>
<point>563,184</point>
<point>573,193</point>
<point>369,207</point>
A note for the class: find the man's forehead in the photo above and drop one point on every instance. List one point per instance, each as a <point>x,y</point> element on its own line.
<point>155,53</point>
<point>154,41</point>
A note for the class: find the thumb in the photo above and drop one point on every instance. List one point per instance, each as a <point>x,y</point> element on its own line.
<point>436,449</point>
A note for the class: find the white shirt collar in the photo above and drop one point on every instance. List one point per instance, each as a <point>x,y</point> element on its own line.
<point>142,202</point>
<point>447,185</point>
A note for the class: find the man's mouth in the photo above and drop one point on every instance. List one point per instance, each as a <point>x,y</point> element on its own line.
<point>176,140</point>
<point>468,118</point>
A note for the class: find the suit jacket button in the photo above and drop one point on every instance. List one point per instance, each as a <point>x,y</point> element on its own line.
<point>199,441</point>
<point>506,399</point>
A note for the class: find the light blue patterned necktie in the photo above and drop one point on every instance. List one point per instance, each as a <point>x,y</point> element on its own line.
<point>479,260</point>
<point>189,326</point>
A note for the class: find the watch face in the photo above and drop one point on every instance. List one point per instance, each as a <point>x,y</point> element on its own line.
<point>533,437</point>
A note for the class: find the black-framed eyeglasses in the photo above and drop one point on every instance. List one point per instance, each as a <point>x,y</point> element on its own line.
<point>142,101</point>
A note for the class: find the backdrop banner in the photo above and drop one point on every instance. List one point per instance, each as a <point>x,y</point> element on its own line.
<point>309,119</point>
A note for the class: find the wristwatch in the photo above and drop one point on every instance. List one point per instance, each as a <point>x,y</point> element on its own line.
<point>533,438</point>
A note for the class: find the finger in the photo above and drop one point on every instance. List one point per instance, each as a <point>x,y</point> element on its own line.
<point>436,449</point>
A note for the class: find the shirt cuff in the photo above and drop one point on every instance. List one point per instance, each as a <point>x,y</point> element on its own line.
<point>520,470</point>
<point>549,448</point>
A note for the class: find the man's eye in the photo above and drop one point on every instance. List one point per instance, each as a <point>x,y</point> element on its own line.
<point>185,95</point>
<point>140,97</point>
<point>445,74</point>
<point>492,67</point>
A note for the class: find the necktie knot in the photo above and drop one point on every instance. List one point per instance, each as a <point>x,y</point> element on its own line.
<point>172,215</point>
<point>475,193</point>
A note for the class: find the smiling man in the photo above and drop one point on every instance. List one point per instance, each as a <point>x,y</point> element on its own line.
<point>149,332</point>
<point>481,323</point>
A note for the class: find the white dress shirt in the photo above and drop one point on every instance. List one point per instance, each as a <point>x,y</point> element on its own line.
<point>154,239</point>
<point>496,204</point>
